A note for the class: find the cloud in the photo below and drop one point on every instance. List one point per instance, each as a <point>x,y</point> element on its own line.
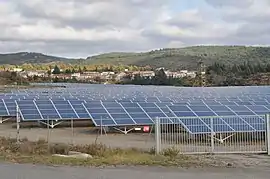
<point>83,27</point>
<point>231,3</point>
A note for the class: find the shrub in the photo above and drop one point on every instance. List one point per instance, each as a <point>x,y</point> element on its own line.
<point>171,152</point>
<point>94,149</point>
<point>152,151</point>
<point>59,149</point>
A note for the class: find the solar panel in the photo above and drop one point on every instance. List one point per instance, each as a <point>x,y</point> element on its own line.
<point>152,99</point>
<point>47,109</point>
<point>11,106</point>
<point>99,114</point>
<point>137,113</point>
<point>3,109</point>
<point>195,125</point>
<point>65,110</point>
<point>29,111</point>
<point>81,110</point>
<point>219,125</point>
<point>261,103</point>
<point>115,105</point>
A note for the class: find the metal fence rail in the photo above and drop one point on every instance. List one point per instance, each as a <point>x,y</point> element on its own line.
<point>218,140</point>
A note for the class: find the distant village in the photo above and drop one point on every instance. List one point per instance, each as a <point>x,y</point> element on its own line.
<point>104,76</point>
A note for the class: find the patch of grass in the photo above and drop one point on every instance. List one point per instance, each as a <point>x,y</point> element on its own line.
<point>40,152</point>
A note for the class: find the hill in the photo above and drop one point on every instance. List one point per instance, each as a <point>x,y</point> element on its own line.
<point>187,57</point>
<point>28,57</point>
<point>175,58</point>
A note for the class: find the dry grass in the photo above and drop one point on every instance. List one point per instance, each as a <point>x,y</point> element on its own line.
<point>40,152</point>
<point>171,152</point>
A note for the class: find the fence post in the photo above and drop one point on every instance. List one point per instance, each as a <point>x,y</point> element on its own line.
<point>212,135</point>
<point>72,131</point>
<point>101,128</point>
<point>267,132</point>
<point>18,124</point>
<point>157,135</point>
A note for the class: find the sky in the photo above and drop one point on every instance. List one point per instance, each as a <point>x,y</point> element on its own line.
<point>80,28</point>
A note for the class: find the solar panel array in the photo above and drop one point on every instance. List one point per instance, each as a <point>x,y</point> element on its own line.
<point>115,105</point>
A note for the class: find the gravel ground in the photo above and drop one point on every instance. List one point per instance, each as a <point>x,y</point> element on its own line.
<point>19,171</point>
<point>80,136</point>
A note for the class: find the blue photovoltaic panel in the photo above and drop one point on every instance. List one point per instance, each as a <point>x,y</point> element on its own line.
<point>64,109</point>
<point>152,110</point>
<point>165,100</point>
<point>29,111</point>
<point>152,99</point>
<point>3,109</point>
<point>227,102</point>
<point>259,110</point>
<point>199,108</point>
<point>99,114</point>
<point>182,111</point>
<point>195,125</point>
<point>118,113</point>
<point>139,105</point>
<point>47,109</point>
<point>241,110</point>
<point>81,111</point>
<point>137,113</point>
<point>211,102</point>
<point>219,125</point>
<point>11,106</point>
<point>261,103</point>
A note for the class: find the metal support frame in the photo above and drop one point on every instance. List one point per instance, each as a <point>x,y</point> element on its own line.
<point>50,123</point>
<point>125,131</point>
<point>220,139</point>
<point>102,128</point>
<point>2,120</point>
<point>213,134</point>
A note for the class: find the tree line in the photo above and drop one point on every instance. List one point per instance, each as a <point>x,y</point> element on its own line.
<point>159,78</point>
<point>217,74</point>
<point>220,74</point>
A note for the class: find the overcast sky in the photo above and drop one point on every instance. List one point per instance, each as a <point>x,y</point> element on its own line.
<point>79,28</point>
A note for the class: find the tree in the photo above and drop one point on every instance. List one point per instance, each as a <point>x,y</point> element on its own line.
<point>80,70</point>
<point>56,70</point>
<point>13,76</point>
<point>160,77</point>
<point>68,71</point>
